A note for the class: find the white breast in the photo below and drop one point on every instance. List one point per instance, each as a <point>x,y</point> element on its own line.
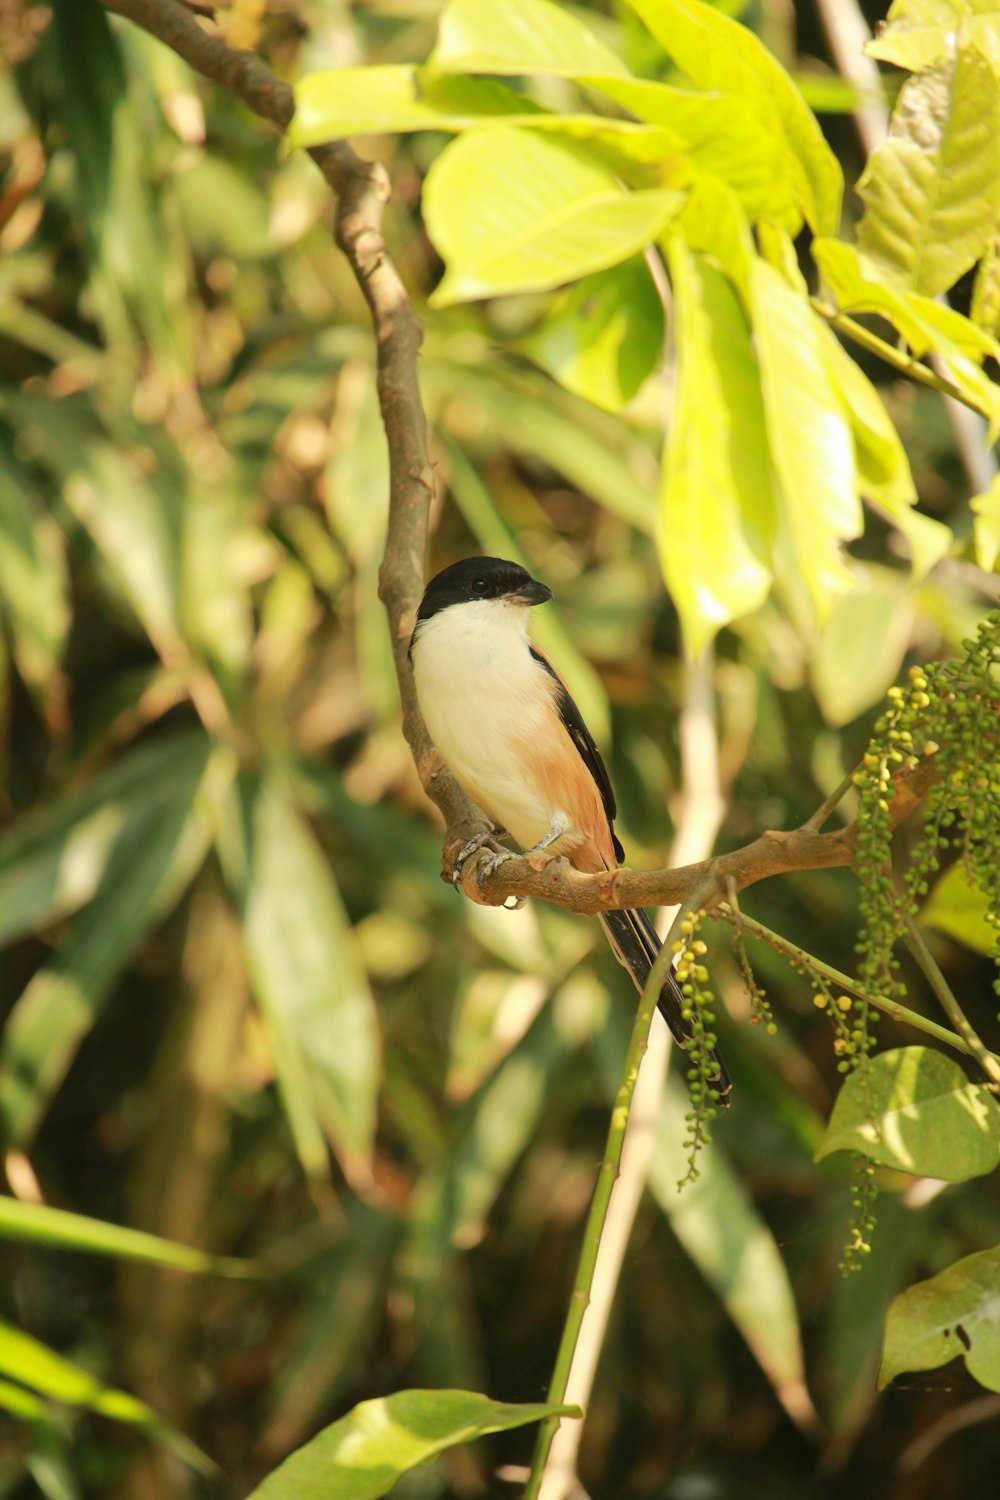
<point>486,703</point>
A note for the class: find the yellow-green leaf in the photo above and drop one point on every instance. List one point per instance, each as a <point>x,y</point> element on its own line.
<point>951,1314</point>
<point>512,211</point>
<point>518,37</point>
<point>717,517</point>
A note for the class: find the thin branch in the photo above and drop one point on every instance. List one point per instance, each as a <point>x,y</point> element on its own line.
<point>906,364</point>
<point>971,1040</point>
<point>891,1008</point>
<point>773,853</point>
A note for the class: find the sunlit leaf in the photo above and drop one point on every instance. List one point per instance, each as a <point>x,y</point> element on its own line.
<point>364,1454</point>
<point>952,1314</point>
<point>603,337</point>
<point>960,909</point>
<point>809,436</point>
<point>985,306</point>
<point>986,526</point>
<point>25,1359</point>
<point>915,1110</point>
<point>863,644</point>
<point>512,211</point>
<point>718,53</point>
<point>520,36</point>
<point>55,1227</point>
<point>307,980</point>
<point>735,1251</point>
<point>931,189</point>
<point>717,518</point>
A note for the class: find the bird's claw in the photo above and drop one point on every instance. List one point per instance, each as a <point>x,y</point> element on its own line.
<point>479,841</point>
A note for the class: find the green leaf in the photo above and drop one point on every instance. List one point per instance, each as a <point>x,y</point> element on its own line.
<point>915,1110</point>
<point>859,285</point>
<point>717,519</point>
<point>954,1313</point>
<point>307,980</point>
<point>603,337</point>
<point>718,53</point>
<point>722,134</point>
<point>883,468</point>
<point>511,211</point>
<point>720,1228</point>
<point>26,1360</point>
<point>919,34</point>
<point>41,1225</point>
<point>364,1454</point>
<point>809,436</point>
<point>986,526</point>
<point>33,582</point>
<point>154,856</point>
<point>520,36</point>
<point>395,97</point>
<point>862,647</point>
<point>931,189</point>
<point>985,308</point>
<point>960,909</point>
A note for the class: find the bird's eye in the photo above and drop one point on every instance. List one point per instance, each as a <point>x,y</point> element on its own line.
<point>479,586</point>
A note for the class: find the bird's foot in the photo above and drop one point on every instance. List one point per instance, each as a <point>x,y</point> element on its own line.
<point>496,857</point>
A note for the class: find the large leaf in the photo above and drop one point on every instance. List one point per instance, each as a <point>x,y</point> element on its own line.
<point>919,34</point>
<point>931,190</point>
<point>603,337</point>
<point>512,211</point>
<point>960,909</point>
<point>809,435</point>
<point>730,1243</point>
<point>154,855</point>
<point>307,979</point>
<point>364,1454</point>
<point>717,519</point>
<point>718,53</point>
<point>915,1110</point>
<point>520,36</point>
<point>954,1313</point>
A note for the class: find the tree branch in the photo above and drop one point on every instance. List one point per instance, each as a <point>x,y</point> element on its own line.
<point>773,853</point>
<point>362,190</point>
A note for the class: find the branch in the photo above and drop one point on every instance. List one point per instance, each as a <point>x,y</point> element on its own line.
<point>773,853</point>
<point>362,190</point>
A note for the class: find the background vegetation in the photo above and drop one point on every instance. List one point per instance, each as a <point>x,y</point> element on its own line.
<point>242,1011</point>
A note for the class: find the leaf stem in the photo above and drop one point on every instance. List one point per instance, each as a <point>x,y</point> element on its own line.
<point>819,817</point>
<point>906,364</point>
<point>892,1008</point>
<point>970,1039</point>
<point>597,1215</point>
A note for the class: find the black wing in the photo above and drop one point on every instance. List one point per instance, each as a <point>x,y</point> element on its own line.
<point>584,742</point>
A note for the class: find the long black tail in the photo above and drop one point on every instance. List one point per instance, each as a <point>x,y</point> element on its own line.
<point>635,943</point>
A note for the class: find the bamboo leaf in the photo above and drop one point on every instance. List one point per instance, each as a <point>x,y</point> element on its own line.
<point>511,211</point>
<point>717,518</point>
<point>155,855</point>
<point>931,189</point>
<point>39,1224</point>
<point>735,1251</point>
<point>307,980</point>
<point>915,1110</point>
<point>366,1453</point>
<point>33,582</point>
<point>954,1313</point>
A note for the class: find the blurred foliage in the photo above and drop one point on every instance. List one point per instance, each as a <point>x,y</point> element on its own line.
<point>241,1011</point>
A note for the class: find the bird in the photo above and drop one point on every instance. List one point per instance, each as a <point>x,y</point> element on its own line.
<point>507,727</point>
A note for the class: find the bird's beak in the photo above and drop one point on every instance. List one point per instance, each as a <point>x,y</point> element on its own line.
<point>532,592</point>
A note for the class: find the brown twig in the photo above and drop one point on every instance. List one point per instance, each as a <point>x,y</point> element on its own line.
<point>773,853</point>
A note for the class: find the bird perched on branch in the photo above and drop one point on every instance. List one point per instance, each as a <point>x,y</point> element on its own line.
<point>504,722</point>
